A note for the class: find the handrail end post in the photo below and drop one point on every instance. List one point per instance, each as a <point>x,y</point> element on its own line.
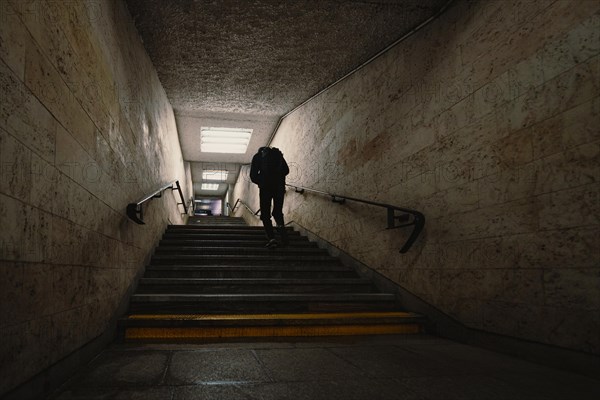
<point>390,218</point>
<point>418,223</point>
<point>133,210</point>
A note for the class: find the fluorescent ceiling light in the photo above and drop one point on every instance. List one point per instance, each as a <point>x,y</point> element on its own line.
<point>210,186</point>
<point>224,140</point>
<point>214,175</point>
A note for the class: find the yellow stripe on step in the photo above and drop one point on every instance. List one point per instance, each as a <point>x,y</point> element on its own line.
<point>269,331</point>
<point>221,317</point>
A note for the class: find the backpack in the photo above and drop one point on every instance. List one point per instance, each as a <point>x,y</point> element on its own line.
<point>271,163</point>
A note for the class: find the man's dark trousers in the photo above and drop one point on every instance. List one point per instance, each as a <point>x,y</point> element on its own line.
<point>274,196</point>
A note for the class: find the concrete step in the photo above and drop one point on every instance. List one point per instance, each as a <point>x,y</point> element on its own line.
<point>210,326</point>
<point>241,251</point>
<point>231,243</point>
<point>225,224</point>
<point>245,271</point>
<point>253,285</point>
<point>236,259</point>
<point>223,228</point>
<point>248,230</point>
<point>216,221</point>
<point>293,238</point>
<point>261,303</point>
<point>206,220</point>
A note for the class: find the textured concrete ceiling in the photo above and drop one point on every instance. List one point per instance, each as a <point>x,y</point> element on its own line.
<point>245,63</point>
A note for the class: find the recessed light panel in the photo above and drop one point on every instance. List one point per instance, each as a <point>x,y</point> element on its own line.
<point>214,175</point>
<point>224,140</point>
<point>210,186</point>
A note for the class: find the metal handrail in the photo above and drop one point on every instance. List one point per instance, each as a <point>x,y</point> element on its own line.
<point>135,210</point>
<point>417,220</point>
<point>240,201</point>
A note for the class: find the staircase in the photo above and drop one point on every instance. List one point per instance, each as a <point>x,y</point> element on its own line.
<point>213,278</point>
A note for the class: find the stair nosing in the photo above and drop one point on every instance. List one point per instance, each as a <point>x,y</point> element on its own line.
<point>232,297</point>
<point>257,281</point>
<point>339,267</point>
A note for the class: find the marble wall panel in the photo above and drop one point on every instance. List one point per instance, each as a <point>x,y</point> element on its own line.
<point>23,116</point>
<point>12,40</point>
<point>508,180</point>
<point>15,159</point>
<point>85,128</point>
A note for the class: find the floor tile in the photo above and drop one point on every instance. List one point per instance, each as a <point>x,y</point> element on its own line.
<point>462,388</point>
<point>364,368</point>
<point>142,393</point>
<point>355,389</point>
<point>220,366</point>
<point>115,369</point>
<point>546,383</point>
<point>306,365</point>
<point>393,362</point>
<point>210,392</point>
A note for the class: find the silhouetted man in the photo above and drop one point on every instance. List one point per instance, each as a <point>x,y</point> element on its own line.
<point>268,171</point>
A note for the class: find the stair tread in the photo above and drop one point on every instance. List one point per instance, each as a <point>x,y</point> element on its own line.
<point>185,242</point>
<point>240,248</point>
<point>243,256</point>
<point>191,267</point>
<point>292,257</point>
<point>271,319</point>
<point>227,235</point>
<point>279,316</point>
<point>294,239</point>
<point>222,228</point>
<point>262,297</point>
<point>254,281</point>
<point>221,332</point>
<point>224,237</point>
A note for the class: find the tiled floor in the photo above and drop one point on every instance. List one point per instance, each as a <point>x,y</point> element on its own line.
<point>385,367</point>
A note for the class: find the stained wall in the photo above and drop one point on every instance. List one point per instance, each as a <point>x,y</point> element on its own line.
<point>487,122</point>
<point>85,129</point>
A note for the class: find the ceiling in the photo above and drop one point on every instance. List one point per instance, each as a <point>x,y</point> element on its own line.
<point>246,63</point>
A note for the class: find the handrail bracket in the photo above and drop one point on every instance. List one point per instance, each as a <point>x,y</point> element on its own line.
<point>392,218</point>
<point>339,200</point>
<point>135,213</point>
